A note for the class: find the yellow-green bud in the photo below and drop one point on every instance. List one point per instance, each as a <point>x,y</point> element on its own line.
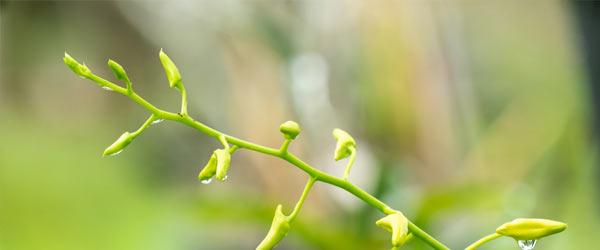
<point>344,143</point>
<point>171,70</point>
<point>209,170</point>
<point>69,61</point>
<point>279,229</point>
<point>119,144</point>
<point>530,229</point>
<point>290,130</point>
<point>118,70</point>
<point>223,159</point>
<point>396,224</point>
<point>80,70</point>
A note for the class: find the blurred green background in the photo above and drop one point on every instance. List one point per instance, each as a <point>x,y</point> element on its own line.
<point>467,114</point>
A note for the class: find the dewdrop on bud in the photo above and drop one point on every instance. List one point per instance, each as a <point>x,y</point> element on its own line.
<point>223,159</point>
<point>396,224</point>
<point>344,144</point>
<point>279,229</point>
<point>118,70</point>
<point>530,229</point>
<point>290,130</point>
<point>209,170</point>
<point>119,144</point>
<point>170,69</point>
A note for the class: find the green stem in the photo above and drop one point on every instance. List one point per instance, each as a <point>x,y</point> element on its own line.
<point>183,100</point>
<point>350,162</point>
<point>224,141</point>
<point>129,88</point>
<point>144,126</point>
<point>314,173</point>
<point>233,149</point>
<point>309,185</point>
<point>483,241</point>
<point>285,146</point>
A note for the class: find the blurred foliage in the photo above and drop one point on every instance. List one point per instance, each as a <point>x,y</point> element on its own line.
<point>466,114</point>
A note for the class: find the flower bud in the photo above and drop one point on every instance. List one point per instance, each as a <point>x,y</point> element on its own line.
<point>80,70</point>
<point>290,130</point>
<point>85,71</point>
<point>119,144</point>
<point>279,229</point>
<point>530,229</point>
<point>171,70</point>
<point>118,70</point>
<point>396,224</point>
<point>344,143</point>
<point>223,159</point>
<point>209,170</point>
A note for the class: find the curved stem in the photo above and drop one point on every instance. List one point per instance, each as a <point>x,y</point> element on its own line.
<point>483,241</point>
<point>285,146</point>
<point>309,185</point>
<point>315,174</point>
<point>350,162</point>
<point>183,100</point>
<point>144,126</point>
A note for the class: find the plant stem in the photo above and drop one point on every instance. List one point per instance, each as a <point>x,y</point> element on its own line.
<point>285,146</point>
<point>224,141</point>
<point>183,101</point>
<point>350,162</point>
<point>483,240</point>
<point>233,149</point>
<point>315,174</point>
<point>309,185</point>
<point>144,126</point>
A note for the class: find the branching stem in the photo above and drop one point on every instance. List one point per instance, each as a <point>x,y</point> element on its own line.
<point>315,174</point>
<point>284,147</point>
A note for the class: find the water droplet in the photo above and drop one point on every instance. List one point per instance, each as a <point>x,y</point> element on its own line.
<point>206,181</point>
<point>157,121</point>
<point>107,88</point>
<point>527,244</point>
<point>116,153</point>
<point>225,178</point>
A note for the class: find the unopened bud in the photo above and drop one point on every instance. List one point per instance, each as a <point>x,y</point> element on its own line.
<point>80,70</point>
<point>119,144</point>
<point>290,130</point>
<point>171,70</point>
<point>344,143</point>
<point>223,159</point>
<point>396,224</point>
<point>209,170</point>
<point>279,229</point>
<point>118,70</point>
<point>530,229</point>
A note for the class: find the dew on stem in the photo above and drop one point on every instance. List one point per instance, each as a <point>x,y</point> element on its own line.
<point>157,121</point>
<point>527,244</point>
<point>107,88</point>
<point>207,181</point>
